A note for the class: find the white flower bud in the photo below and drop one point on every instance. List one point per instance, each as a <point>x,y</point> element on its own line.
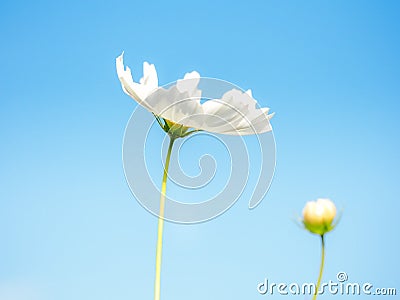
<point>318,216</point>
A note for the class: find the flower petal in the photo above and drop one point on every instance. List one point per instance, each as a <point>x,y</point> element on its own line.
<point>189,83</point>
<point>138,91</point>
<point>235,113</point>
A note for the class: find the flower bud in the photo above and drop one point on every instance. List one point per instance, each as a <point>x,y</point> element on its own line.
<point>318,216</point>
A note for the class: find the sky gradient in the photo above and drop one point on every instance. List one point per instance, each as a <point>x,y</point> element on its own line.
<point>69,225</point>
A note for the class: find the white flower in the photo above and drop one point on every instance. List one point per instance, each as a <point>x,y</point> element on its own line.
<point>235,113</point>
<point>318,215</point>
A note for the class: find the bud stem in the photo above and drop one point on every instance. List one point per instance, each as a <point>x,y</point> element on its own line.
<point>321,268</point>
<point>157,282</point>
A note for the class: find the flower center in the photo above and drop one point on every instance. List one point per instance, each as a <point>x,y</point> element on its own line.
<point>174,130</point>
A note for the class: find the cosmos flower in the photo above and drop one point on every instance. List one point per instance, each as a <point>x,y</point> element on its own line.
<point>181,105</point>
<point>318,216</point>
<point>181,109</point>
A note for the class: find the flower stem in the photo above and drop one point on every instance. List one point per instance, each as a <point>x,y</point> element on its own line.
<point>321,268</point>
<point>157,282</point>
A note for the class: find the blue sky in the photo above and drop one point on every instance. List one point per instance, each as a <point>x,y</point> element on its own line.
<point>69,225</point>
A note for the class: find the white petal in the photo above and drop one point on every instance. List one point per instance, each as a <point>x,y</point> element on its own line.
<point>238,114</point>
<point>149,78</point>
<point>235,113</point>
<point>176,106</point>
<point>189,82</point>
<point>138,91</point>
<point>191,75</point>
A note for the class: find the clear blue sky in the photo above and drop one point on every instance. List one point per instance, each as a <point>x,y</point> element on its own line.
<point>69,225</point>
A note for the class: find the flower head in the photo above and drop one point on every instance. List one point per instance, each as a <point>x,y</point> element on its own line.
<point>318,216</point>
<point>235,113</point>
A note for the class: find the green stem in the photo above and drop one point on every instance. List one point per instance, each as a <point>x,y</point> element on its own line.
<point>321,269</point>
<point>157,282</point>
